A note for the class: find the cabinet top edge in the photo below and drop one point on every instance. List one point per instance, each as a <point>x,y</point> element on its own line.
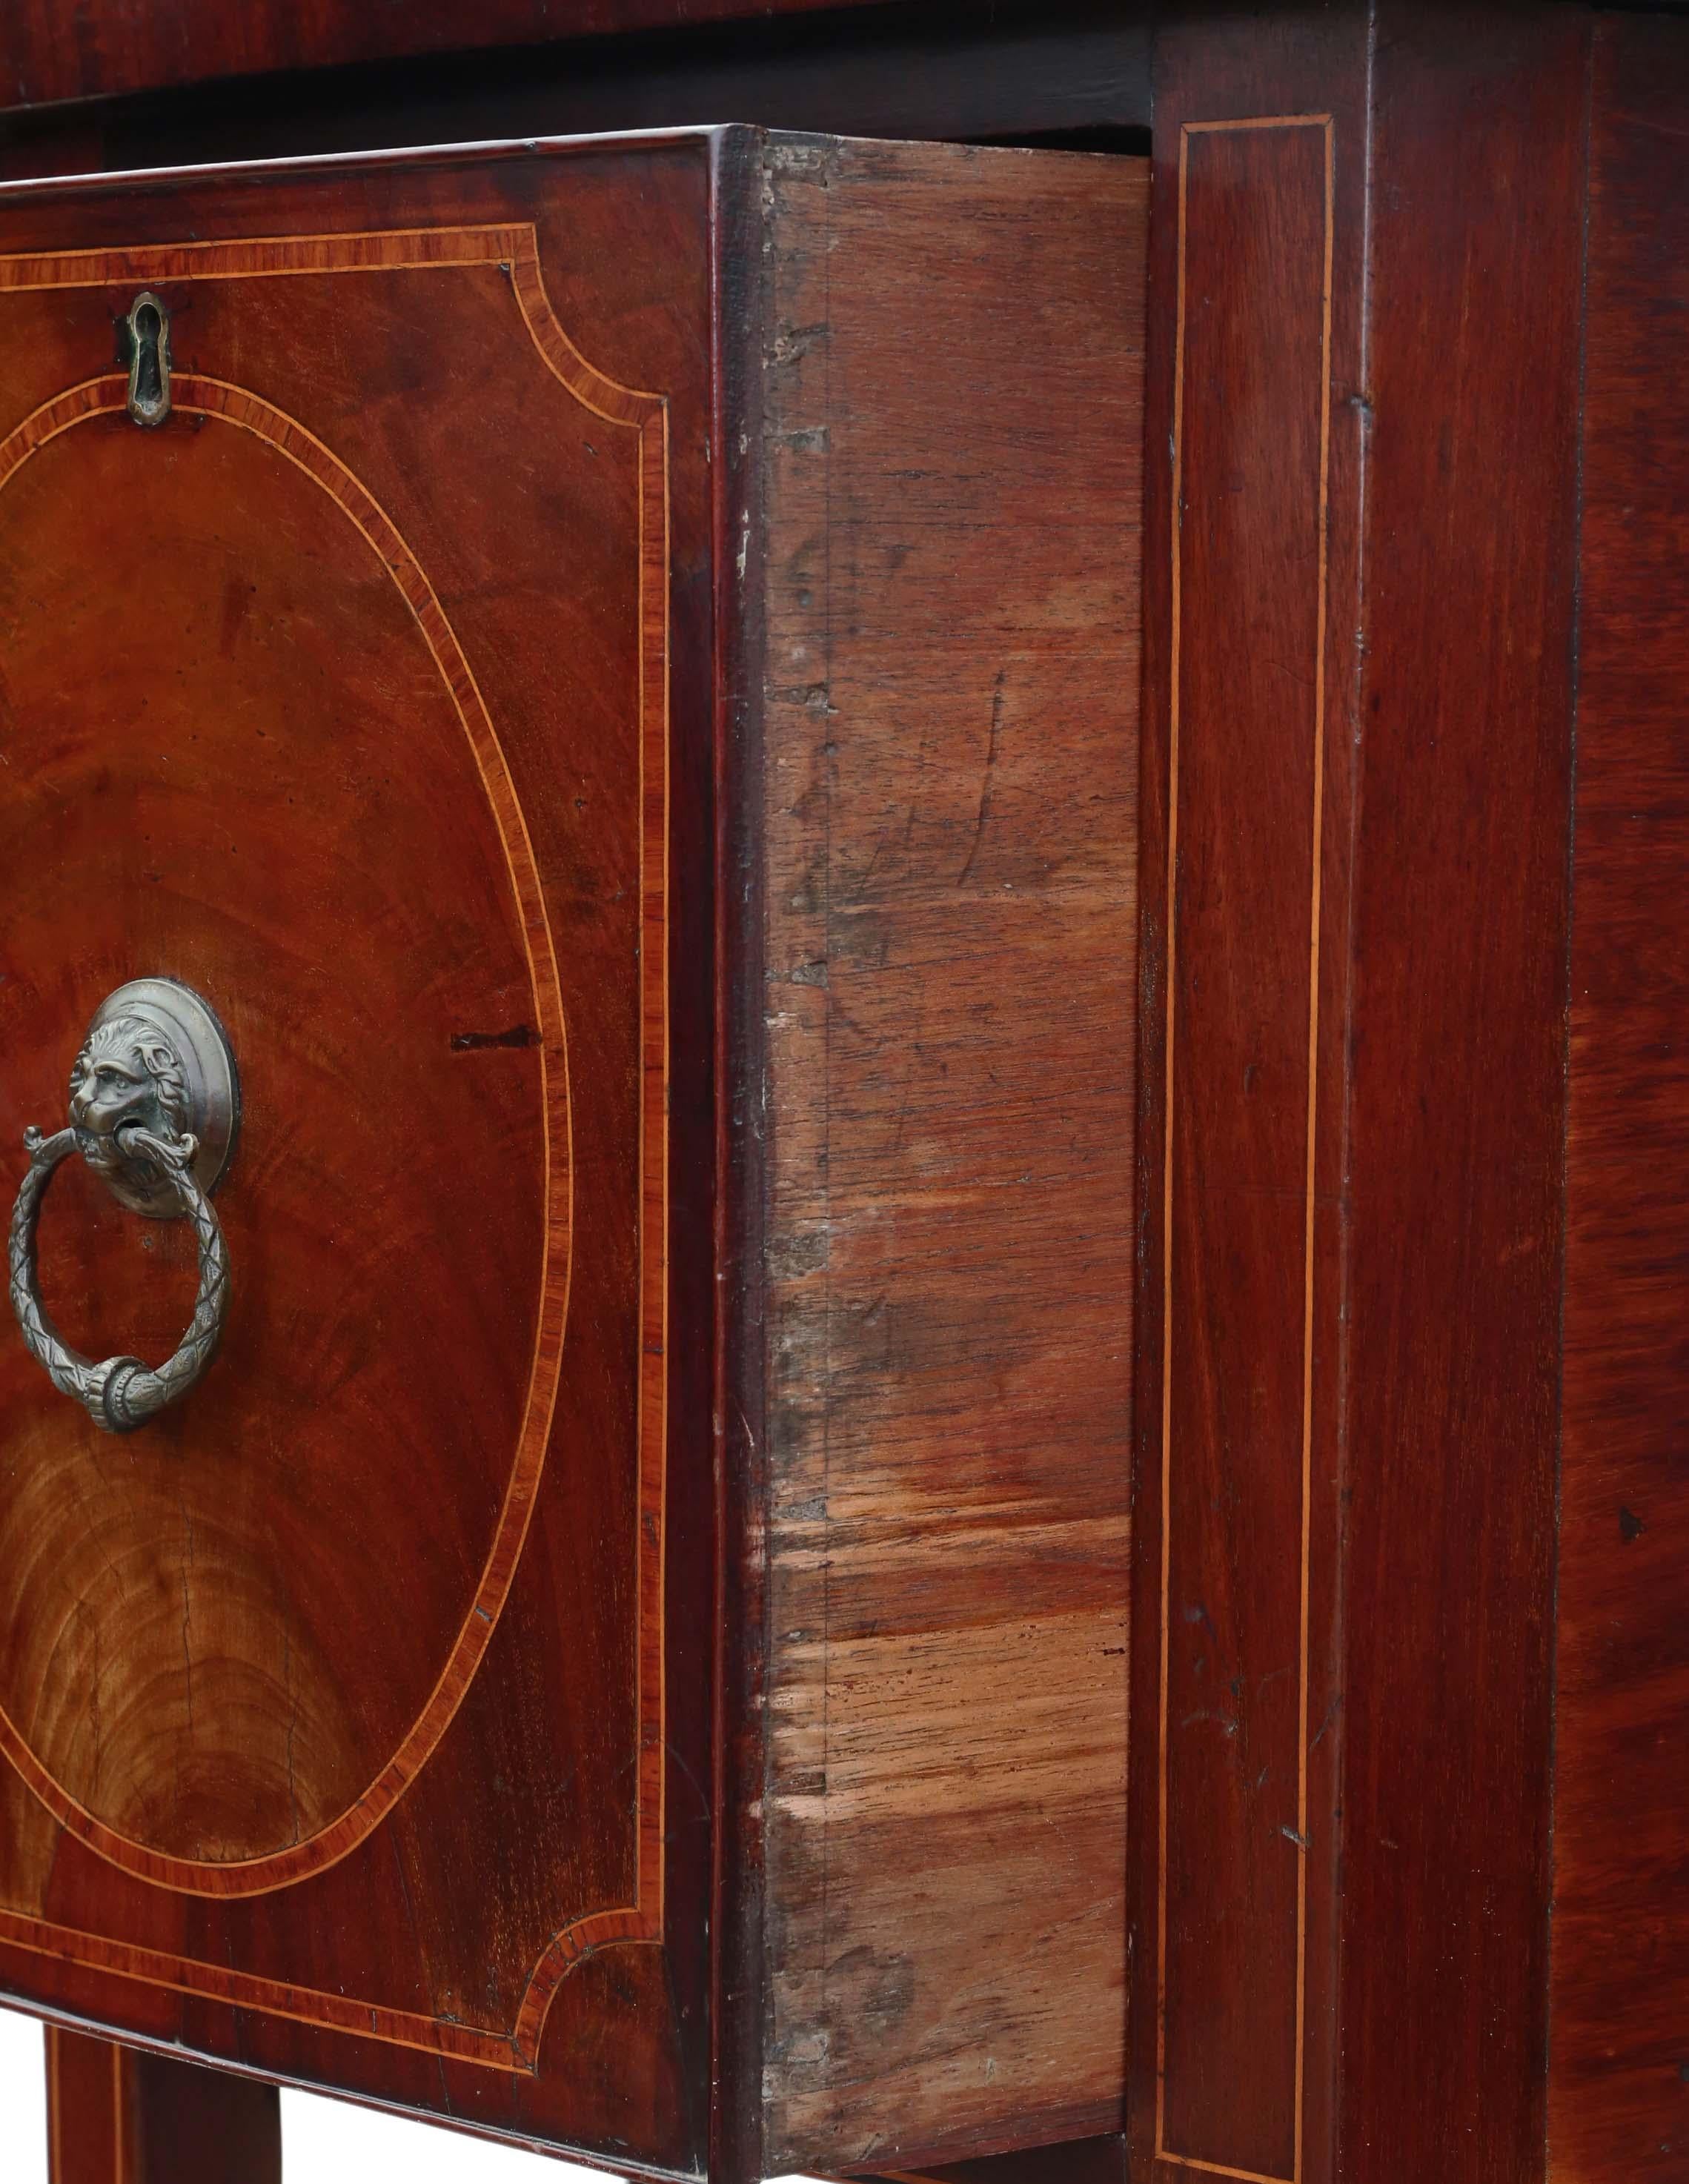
<point>704,138</point>
<point>730,144</point>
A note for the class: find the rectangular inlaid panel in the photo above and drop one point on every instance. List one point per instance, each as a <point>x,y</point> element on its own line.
<point>1248,545</point>
<point>1618,2106</point>
<point>1307,2028</point>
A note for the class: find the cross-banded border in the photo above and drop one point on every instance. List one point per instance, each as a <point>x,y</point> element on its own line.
<point>514,249</point>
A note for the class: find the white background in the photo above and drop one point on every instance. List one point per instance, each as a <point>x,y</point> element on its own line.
<point>325,2141</point>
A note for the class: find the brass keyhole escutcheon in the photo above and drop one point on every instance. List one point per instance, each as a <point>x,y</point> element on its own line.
<point>148,329</point>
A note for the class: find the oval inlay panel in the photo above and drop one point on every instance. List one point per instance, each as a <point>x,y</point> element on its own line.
<point>209,1660</point>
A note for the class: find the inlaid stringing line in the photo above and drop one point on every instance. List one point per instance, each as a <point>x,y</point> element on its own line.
<point>1163,2153</point>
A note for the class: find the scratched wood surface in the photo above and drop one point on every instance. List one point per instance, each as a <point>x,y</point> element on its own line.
<point>945,968</point>
<point>117,2115</point>
<point>1621,1998</point>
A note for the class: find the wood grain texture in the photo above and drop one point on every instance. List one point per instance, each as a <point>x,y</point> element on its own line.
<point>1620,1994</point>
<point>116,2116</point>
<point>1458,1092</point>
<point>1433,1251</point>
<point>340,1699</point>
<point>943,916</point>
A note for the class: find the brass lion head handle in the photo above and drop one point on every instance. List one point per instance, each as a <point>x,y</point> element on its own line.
<point>155,1109</point>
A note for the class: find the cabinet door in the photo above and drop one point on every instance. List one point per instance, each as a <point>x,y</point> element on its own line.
<point>352,680</point>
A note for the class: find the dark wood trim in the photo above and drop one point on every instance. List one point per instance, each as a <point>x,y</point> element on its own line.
<point>125,45</point>
<point>1251,339</point>
<point>740,277</point>
<point>1070,2161</point>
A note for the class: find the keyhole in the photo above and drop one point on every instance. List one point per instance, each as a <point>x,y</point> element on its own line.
<point>149,360</point>
<point>149,378</point>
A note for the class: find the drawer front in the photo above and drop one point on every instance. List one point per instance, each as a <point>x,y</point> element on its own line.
<point>343,694</point>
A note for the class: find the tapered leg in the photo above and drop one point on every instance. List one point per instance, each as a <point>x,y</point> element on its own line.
<point>119,2115</point>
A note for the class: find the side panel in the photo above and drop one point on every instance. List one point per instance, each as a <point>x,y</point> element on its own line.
<point>950,707</point>
<point>1619,2104</point>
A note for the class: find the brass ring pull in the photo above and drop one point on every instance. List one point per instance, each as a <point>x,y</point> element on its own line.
<point>155,1061</point>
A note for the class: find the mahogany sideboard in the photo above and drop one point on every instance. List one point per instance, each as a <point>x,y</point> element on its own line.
<point>842,1030</point>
